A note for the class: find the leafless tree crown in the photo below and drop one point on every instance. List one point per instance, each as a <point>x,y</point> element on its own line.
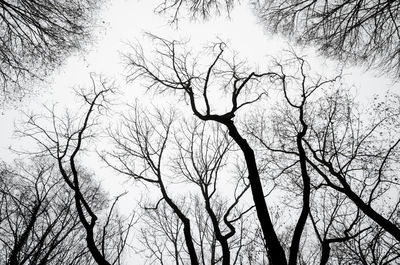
<point>36,36</point>
<point>359,31</point>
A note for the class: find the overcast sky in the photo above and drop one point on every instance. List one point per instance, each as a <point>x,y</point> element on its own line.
<point>125,21</point>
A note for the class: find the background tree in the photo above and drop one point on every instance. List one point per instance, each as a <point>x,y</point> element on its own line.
<point>175,72</point>
<point>37,218</point>
<point>357,157</point>
<point>140,151</point>
<point>163,153</point>
<point>366,32</point>
<point>36,36</point>
<point>357,31</point>
<point>341,159</point>
<point>63,140</point>
<point>202,160</point>
<point>350,153</point>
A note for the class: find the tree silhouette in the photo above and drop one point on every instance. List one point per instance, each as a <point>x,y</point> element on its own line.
<point>351,155</point>
<point>356,31</point>
<point>174,73</point>
<point>337,160</point>
<point>140,147</point>
<point>36,36</point>
<point>37,217</point>
<point>63,140</point>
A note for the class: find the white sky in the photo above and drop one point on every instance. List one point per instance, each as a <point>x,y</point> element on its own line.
<point>126,20</point>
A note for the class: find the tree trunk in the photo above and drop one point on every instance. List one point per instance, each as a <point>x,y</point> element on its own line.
<point>276,254</point>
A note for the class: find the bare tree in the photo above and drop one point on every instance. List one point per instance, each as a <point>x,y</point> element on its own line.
<point>297,87</point>
<point>359,160</point>
<point>360,31</point>
<point>37,219</point>
<point>334,151</point>
<point>202,158</point>
<point>36,36</point>
<point>140,153</point>
<point>63,141</point>
<point>349,153</point>
<point>201,218</point>
<point>174,73</point>
<point>163,241</point>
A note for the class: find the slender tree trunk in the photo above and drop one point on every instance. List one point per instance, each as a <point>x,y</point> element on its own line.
<point>326,249</point>
<point>176,253</point>
<point>226,253</point>
<point>294,246</point>
<point>13,260</point>
<point>186,226</point>
<point>98,257</point>
<point>91,244</point>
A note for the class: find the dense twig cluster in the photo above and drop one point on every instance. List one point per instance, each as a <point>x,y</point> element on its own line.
<point>36,36</point>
